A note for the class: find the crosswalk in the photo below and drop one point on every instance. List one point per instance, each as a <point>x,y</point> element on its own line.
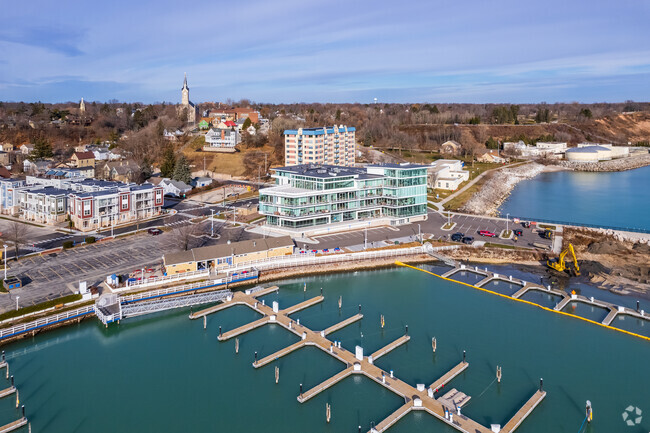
<point>44,241</point>
<point>175,223</point>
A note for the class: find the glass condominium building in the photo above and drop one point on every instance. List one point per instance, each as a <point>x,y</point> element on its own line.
<point>311,195</point>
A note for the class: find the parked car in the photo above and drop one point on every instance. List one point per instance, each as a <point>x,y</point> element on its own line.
<point>457,237</point>
<point>468,240</point>
<point>487,233</point>
<point>526,224</point>
<point>154,232</point>
<point>518,232</point>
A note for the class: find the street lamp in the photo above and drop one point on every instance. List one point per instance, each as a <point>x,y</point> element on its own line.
<point>212,221</point>
<point>5,260</point>
<point>507,219</point>
<point>419,233</point>
<point>17,298</point>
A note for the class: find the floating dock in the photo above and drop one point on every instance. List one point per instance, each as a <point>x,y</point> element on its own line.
<point>418,398</point>
<point>13,425</point>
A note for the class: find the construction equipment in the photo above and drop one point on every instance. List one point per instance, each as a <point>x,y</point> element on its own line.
<point>560,265</point>
<point>547,234</point>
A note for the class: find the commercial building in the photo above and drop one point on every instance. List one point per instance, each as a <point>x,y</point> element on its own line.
<point>446,174</point>
<point>541,149</point>
<point>332,145</point>
<point>314,198</point>
<point>218,257</point>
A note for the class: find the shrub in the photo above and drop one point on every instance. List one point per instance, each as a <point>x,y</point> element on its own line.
<point>90,240</point>
<point>68,244</point>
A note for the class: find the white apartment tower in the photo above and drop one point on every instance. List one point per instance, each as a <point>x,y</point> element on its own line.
<point>333,145</point>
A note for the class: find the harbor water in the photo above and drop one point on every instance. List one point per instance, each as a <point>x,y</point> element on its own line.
<point>165,373</point>
<point>616,199</point>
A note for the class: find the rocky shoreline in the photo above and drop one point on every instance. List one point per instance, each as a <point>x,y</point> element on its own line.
<point>621,164</point>
<point>496,190</point>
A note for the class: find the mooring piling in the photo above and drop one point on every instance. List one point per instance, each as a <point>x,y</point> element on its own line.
<point>498,374</point>
<point>328,412</point>
<point>434,344</point>
<point>236,345</point>
<point>277,374</point>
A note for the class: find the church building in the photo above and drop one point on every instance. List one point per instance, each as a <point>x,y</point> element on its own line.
<point>187,104</point>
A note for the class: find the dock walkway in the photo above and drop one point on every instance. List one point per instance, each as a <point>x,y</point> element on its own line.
<point>7,391</point>
<point>415,398</point>
<point>525,410</point>
<point>13,425</point>
<point>451,374</point>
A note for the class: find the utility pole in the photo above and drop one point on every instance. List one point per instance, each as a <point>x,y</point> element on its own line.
<point>212,221</point>
<point>507,219</point>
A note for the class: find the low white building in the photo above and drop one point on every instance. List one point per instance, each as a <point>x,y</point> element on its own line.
<point>542,149</point>
<point>446,174</point>
<point>592,153</point>
<point>174,187</point>
<point>222,139</point>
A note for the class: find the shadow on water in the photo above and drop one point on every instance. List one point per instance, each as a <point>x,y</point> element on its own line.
<point>468,277</point>
<point>632,324</point>
<point>587,311</point>
<point>503,287</point>
<point>539,297</point>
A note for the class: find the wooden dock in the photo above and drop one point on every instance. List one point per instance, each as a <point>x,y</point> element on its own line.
<point>343,324</point>
<point>325,384</point>
<point>7,391</point>
<point>525,410</point>
<point>563,303</point>
<point>393,418</point>
<point>390,346</point>
<point>13,425</point>
<point>613,312</point>
<point>444,380</point>
<point>414,399</point>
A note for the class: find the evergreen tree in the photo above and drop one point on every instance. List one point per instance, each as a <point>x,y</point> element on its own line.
<point>247,124</point>
<point>168,162</point>
<point>182,171</point>
<point>42,149</point>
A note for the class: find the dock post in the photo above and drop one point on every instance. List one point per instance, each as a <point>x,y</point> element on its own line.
<point>277,374</point>
<point>638,307</point>
<point>340,302</point>
<point>236,345</point>
<point>23,410</point>
<point>541,384</point>
<point>590,413</point>
<point>434,343</point>
<point>383,377</point>
<point>498,374</point>
<point>301,390</point>
<point>382,321</point>
<point>205,322</point>
<point>17,399</point>
<point>12,380</point>
<point>407,330</point>
<point>255,358</point>
<point>219,331</point>
<point>359,308</point>
<point>328,412</point>
<point>321,291</point>
<point>391,374</point>
<point>3,356</point>
<point>464,357</point>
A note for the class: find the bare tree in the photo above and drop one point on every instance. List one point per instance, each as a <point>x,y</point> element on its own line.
<point>16,233</point>
<point>185,236</point>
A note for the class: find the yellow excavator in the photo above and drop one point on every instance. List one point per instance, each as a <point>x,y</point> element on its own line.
<point>560,264</point>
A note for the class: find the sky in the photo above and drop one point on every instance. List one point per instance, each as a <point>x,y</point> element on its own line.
<point>286,51</point>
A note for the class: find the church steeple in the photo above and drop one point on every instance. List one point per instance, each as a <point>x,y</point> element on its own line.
<point>185,83</point>
<point>185,92</point>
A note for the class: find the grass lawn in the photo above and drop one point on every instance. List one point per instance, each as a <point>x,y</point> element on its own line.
<point>38,307</point>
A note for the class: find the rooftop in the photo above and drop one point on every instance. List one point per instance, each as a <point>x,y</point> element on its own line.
<point>589,149</point>
<point>319,131</point>
<point>326,171</point>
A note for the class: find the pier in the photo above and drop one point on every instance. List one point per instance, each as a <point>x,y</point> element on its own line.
<point>415,398</point>
<point>614,310</point>
<point>7,391</point>
<point>13,425</point>
<point>525,410</point>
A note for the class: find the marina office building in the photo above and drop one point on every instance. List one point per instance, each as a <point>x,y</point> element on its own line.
<point>313,198</point>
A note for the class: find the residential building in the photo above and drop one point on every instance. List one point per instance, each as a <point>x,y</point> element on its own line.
<point>36,167</point>
<point>446,174</point>
<point>205,123</point>
<point>333,145</point>
<point>450,147</point>
<point>222,139</point>
<point>7,147</point>
<point>83,159</point>
<point>492,156</point>
<point>4,158</point>
<point>128,203</point>
<point>47,205</point>
<point>222,256</point>
<point>199,182</point>
<point>318,198</point>
<point>9,204</point>
<point>174,188</point>
<point>121,171</point>
<point>26,149</point>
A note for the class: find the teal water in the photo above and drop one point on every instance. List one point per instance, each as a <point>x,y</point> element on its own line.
<point>165,373</point>
<point>617,199</point>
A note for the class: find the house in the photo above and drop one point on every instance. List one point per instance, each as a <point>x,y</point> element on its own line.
<point>83,159</point>
<point>121,171</point>
<point>450,147</point>
<point>174,187</point>
<point>222,256</point>
<point>39,166</point>
<point>26,149</point>
<point>205,123</point>
<point>6,147</point>
<point>446,174</point>
<point>492,156</point>
<point>251,130</point>
<point>4,158</point>
<point>199,182</point>
<point>222,139</point>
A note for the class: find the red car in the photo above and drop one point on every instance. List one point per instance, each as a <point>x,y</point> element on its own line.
<point>487,233</point>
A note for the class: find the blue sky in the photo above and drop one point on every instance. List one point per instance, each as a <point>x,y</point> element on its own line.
<point>326,51</point>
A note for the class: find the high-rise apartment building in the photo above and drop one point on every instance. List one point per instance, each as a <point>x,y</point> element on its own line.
<point>332,145</point>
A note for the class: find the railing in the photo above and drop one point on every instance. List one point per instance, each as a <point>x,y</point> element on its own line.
<point>292,261</point>
<point>577,224</point>
<point>39,323</point>
<point>154,281</point>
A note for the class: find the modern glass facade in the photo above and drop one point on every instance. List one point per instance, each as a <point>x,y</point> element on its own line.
<point>316,195</point>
